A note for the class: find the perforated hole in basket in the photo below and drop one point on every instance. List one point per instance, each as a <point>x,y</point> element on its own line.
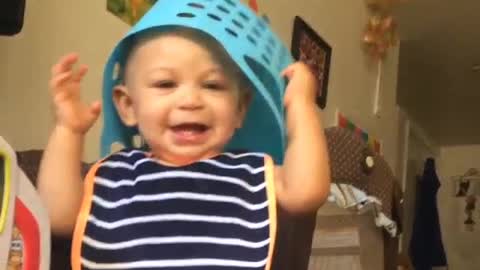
<point>252,40</point>
<point>265,58</point>
<point>262,24</point>
<point>231,3</point>
<point>196,5</point>
<point>271,42</point>
<point>231,32</point>
<point>215,17</point>
<point>269,50</point>
<point>237,23</point>
<point>223,9</point>
<point>244,16</point>
<point>256,32</point>
<point>185,15</point>
<point>116,71</point>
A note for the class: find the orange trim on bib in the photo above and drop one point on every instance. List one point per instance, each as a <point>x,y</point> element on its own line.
<point>82,218</point>
<point>272,207</point>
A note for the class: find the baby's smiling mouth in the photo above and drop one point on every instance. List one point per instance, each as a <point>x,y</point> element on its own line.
<point>189,132</point>
<point>190,127</point>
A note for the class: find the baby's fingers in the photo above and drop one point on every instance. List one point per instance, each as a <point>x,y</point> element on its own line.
<point>96,108</point>
<point>80,73</point>
<point>58,81</point>
<point>65,64</point>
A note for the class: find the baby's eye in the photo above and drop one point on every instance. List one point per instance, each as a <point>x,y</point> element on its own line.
<point>165,84</point>
<point>214,85</point>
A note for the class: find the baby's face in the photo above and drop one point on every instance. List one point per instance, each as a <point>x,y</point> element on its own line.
<point>184,105</point>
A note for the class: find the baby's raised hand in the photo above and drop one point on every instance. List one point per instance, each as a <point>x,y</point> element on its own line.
<point>70,111</point>
<point>302,85</point>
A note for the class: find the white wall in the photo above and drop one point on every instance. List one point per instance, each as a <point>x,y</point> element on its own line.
<point>55,27</point>
<point>462,247</point>
<point>52,28</point>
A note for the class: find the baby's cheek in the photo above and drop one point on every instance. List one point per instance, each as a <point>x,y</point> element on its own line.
<point>151,113</point>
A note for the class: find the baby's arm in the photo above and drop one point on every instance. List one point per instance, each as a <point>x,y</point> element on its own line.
<point>59,181</point>
<point>303,182</point>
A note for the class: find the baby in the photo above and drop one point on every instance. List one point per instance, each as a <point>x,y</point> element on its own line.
<point>185,202</point>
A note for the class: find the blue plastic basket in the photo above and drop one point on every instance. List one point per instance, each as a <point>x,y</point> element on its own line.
<point>249,41</point>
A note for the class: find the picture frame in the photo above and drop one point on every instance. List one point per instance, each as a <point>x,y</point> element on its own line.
<point>309,47</point>
<point>129,11</point>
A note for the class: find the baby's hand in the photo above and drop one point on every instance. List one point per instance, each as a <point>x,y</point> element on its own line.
<point>70,111</point>
<point>302,85</point>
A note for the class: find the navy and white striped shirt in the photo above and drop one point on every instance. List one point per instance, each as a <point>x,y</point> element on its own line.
<point>215,214</point>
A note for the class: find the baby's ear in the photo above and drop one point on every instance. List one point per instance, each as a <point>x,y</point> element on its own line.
<point>245,100</point>
<point>247,97</point>
<point>123,103</point>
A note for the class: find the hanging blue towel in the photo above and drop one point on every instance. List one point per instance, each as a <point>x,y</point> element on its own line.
<point>426,246</point>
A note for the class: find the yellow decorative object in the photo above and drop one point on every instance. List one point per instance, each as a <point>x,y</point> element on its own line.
<point>383,5</point>
<point>381,30</point>
<point>5,197</point>
<point>380,35</point>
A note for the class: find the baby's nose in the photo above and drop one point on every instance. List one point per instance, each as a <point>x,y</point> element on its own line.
<point>191,99</point>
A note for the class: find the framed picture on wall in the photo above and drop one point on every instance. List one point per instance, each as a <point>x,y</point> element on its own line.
<point>309,47</point>
<point>129,11</point>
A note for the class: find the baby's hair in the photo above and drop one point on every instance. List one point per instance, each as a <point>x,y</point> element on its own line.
<point>215,49</point>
